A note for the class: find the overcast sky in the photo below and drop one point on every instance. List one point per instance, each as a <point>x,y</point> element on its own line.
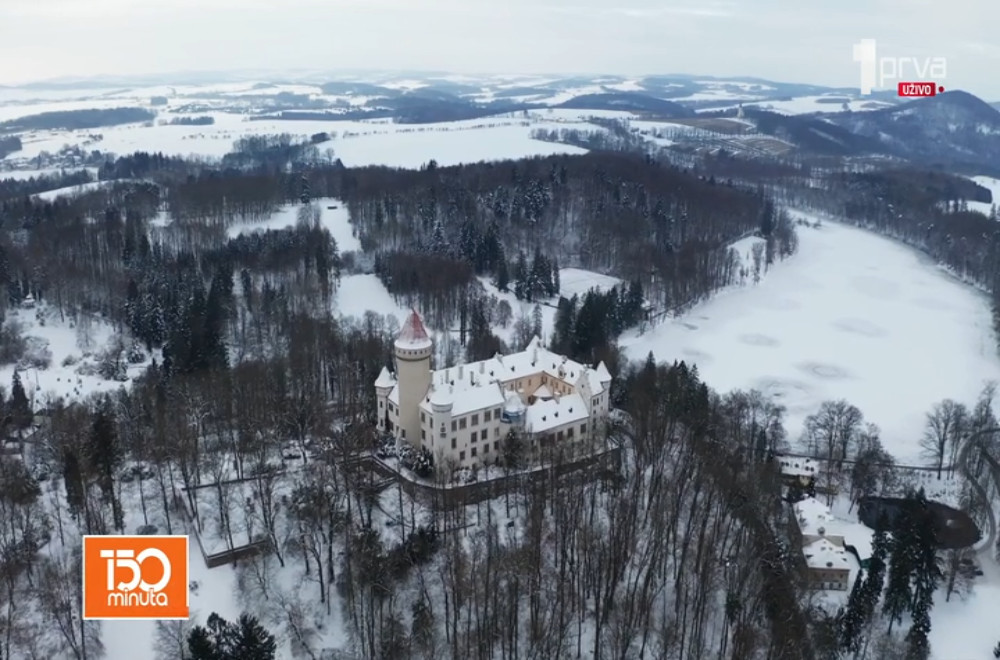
<point>785,40</point>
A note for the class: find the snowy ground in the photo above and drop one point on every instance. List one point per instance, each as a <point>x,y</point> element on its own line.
<point>852,316</point>
<point>994,187</point>
<point>336,220</point>
<point>72,351</point>
<point>358,143</point>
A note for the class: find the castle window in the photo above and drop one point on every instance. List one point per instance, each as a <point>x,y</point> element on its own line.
<point>484,434</point>
<point>475,419</point>
<point>461,455</point>
<point>472,438</point>
<point>453,423</point>
<point>486,449</point>
<point>404,434</point>
<point>454,443</point>
<point>423,434</point>
<point>496,432</point>
<point>473,452</point>
<point>496,413</point>
<point>569,432</point>
<point>461,423</point>
<point>583,428</point>
<point>486,416</point>
<point>422,418</point>
<point>381,404</point>
<point>496,446</point>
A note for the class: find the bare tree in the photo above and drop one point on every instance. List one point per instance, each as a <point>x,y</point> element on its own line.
<point>833,429</point>
<point>946,423</point>
<point>959,567</point>
<point>171,640</point>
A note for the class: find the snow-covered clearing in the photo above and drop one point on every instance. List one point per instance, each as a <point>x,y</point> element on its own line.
<point>577,282</point>
<point>70,191</point>
<point>852,315</point>
<point>336,220</point>
<point>994,187</point>
<point>71,374</point>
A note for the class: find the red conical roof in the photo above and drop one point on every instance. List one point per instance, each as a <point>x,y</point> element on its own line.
<point>413,331</point>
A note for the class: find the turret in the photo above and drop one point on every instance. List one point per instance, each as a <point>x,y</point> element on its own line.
<point>413,348</point>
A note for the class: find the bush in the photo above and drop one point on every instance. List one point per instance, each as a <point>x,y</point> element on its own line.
<point>420,462</point>
<point>36,354</point>
<point>70,360</point>
<point>12,342</point>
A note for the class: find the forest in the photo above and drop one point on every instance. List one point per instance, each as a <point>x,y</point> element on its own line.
<point>77,119</point>
<point>683,550</point>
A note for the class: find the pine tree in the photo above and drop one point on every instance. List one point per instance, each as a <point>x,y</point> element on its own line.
<point>20,409</point>
<point>104,457</point>
<point>871,591</point>
<point>899,591</point>
<point>502,279</point>
<point>246,639</point>
<point>521,277</point>
<point>854,617</point>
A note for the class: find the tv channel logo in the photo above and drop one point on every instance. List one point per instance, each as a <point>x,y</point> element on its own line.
<point>135,577</point>
<point>876,71</point>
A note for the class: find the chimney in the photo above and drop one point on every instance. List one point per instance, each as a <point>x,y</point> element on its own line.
<point>482,367</point>
<point>460,372</point>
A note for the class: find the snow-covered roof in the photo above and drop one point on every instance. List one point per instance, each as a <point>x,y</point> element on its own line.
<point>536,359</point>
<point>384,379</point>
<point>821,553</point>
<point>545,415</point>
<point>798,467</point>
<point>543,392</point>
<point>812,515</point>
<point>467,390</point>
<point>413,335</point>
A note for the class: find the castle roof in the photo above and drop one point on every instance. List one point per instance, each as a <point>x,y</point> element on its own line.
<point>384,379</point>
<point>413,335</point>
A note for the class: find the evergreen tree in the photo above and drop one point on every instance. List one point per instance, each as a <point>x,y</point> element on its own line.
<point>521,277</point>
<point>917,646</point>
<point>556,285</point>
<point>562,333</point>
<point>502,279</point>
<point>73,480</point>
<point>20,409</point>
<point>305,191</point>
<point>899,591</point>
<point>853,620</point>
<point>245,639</point>
<point>871,591</point>
<point>104,457</point>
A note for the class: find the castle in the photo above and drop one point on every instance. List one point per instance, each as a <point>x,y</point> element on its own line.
<point>463,414</point>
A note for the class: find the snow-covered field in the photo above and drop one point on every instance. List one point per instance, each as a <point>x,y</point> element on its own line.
<point>336,220</point>
<point>851,316</point>
<point>994,187</point>
<point>358,143</point>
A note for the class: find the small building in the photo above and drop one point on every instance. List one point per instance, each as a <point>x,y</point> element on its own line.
<point>796,469</point>
<point>827,563</point>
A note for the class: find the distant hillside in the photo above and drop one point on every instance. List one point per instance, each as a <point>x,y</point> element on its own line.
<point>631,101</point>
<point>953,129</point>
<point>77,119</point>
<point>812,134</point>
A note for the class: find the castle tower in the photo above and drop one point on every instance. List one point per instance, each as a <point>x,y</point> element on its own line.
<point>413,349</point>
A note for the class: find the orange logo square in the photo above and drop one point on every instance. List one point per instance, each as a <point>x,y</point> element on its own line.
<point>135,577</point>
